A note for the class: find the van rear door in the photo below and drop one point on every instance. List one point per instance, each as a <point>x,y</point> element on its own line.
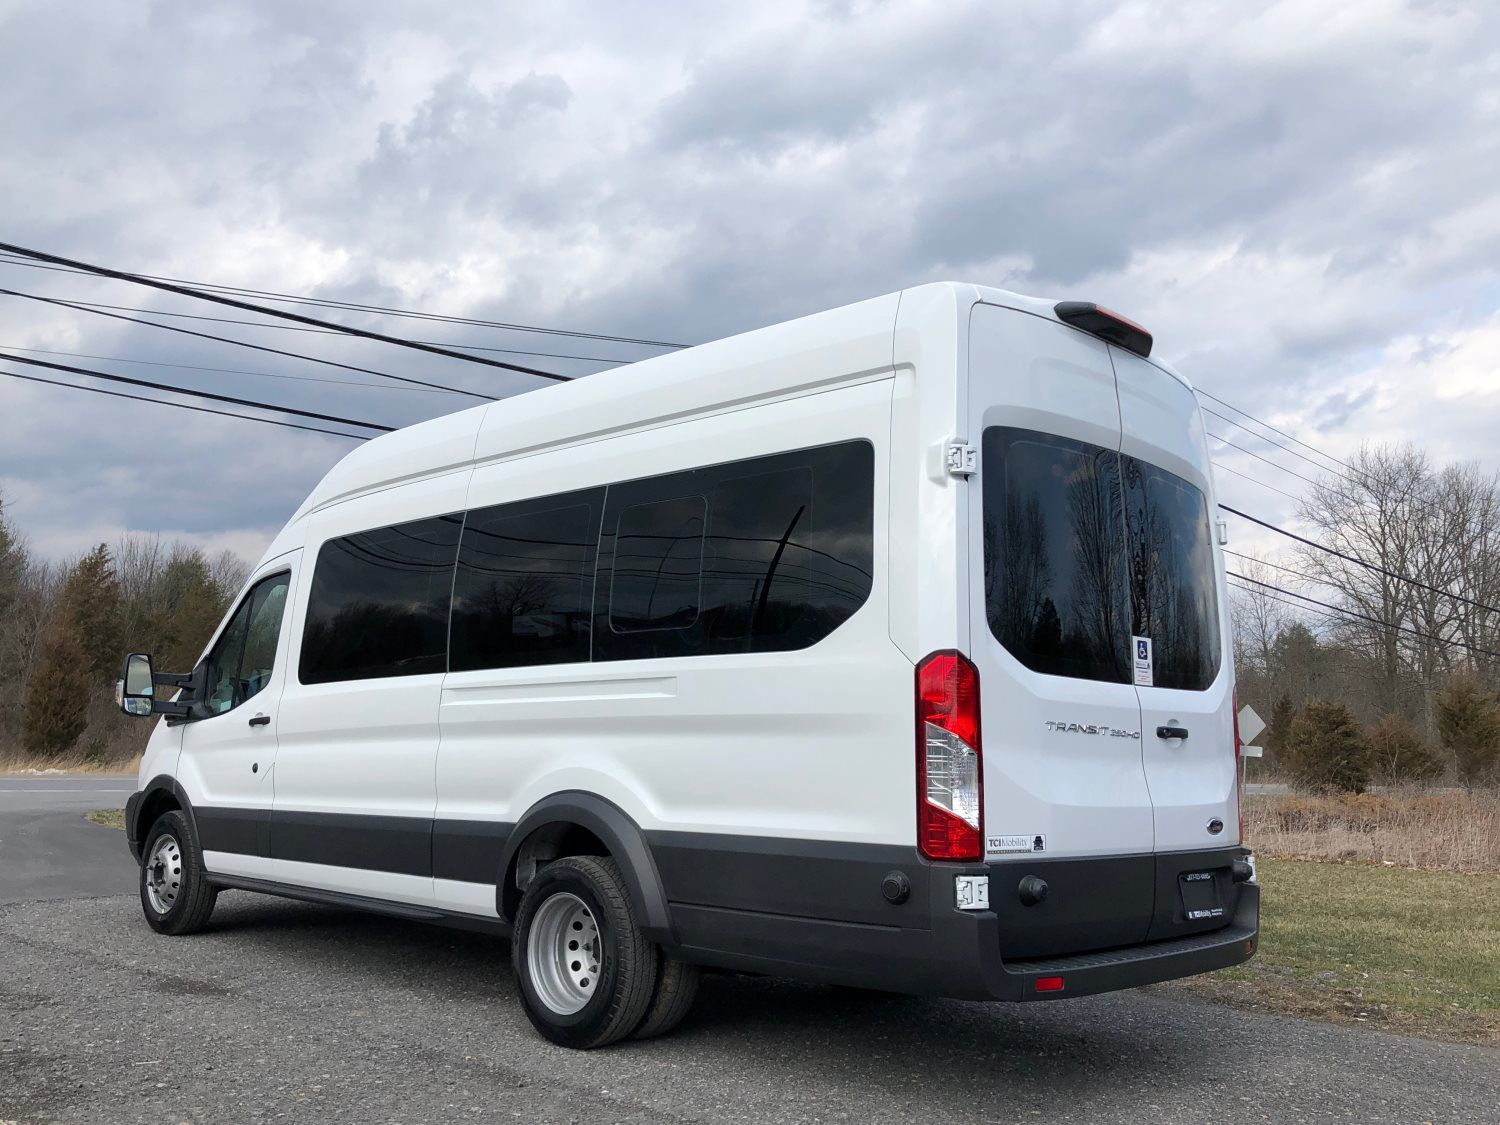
<point>1177,609</point>
<point>1065,793</point>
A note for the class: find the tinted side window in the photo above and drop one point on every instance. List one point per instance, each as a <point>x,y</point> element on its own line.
<point>525,584</point>
<point>244,656</point>
<point>766,554</point>
<point>378,605</point>
<point>1054,565</point>
<point>1173,598</point>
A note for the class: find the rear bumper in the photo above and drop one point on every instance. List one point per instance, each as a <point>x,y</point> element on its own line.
<point>1083,974</point>
<point>938,950</point>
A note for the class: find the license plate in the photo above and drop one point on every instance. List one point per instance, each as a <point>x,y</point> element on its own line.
<point>1200,896</point>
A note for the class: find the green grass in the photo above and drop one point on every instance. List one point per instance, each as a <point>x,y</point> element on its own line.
<point>1411,950</point>
<point>110,818</point>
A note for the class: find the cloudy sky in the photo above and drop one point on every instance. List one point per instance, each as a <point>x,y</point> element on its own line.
<point>1299,199</point>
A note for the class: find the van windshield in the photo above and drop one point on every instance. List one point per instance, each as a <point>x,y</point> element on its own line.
<point>1086,548</point>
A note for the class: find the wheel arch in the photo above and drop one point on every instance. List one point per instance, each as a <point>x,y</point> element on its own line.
<point>159,795</point>
<point>577,819</point>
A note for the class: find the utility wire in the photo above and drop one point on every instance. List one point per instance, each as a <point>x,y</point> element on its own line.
<point>1258,457</point>
<point>184,406</point>
<point>299,318</point>
<point>1358,561</point>
<point>1362,616</point>
<point>243,343</point>
<point>354,306</point>
<point>1255,480</point>
<point>230,370</point>
<point>192,393</point>
<point>1274,429</point>
<point>279,327</point>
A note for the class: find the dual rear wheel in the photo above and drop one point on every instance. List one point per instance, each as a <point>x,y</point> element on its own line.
<point>586,974</point>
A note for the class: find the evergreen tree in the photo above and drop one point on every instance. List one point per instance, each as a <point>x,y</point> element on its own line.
<point>91,595</point>
<point>1468,722</point>
<point>1279,729</point>
<point>1327,749</point>
<point>56,710</point>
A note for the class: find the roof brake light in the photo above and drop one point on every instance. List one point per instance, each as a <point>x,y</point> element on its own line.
<point>1106,325</point>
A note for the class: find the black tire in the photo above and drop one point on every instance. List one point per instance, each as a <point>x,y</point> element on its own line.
<point>192,897</point>
<point>676,989</point>
<point>623,985</point>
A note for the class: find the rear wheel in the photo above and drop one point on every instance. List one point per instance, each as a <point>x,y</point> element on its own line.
<point>176,896</point>
<point>676,989</point>
<point>585,972</point>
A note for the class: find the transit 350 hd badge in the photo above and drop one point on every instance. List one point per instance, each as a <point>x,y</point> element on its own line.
<point>1090,728</point>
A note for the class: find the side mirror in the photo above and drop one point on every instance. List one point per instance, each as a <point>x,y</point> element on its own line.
<point>135,692</point>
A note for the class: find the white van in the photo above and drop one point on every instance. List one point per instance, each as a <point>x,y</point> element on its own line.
<point>887,647</point>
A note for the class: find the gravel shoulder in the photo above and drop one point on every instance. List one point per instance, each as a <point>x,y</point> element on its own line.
<point>294,1012</point>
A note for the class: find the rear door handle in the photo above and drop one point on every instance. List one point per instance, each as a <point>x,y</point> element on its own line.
<point>1161,732</point>
<point>261,721</point>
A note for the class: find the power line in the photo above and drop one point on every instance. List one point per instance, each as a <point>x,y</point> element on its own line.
<point>1257,456</point>
<point>1274,429</point>
<point>77,307</point>
<point>354,306</point>
<point>184,406</point>
<point>1361,616</point>
<point>278,327</point>
<point>231,370</point>
<point>299,318</point>
<point>1256,480</point>
<point>192,393</point>
<point>1358,561</point>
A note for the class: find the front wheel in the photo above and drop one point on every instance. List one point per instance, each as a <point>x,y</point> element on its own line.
<point>585,971</point>
<point>176,896</point>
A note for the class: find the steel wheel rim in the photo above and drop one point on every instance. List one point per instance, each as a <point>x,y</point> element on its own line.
<point>163,873</point>
<point>563,953</point>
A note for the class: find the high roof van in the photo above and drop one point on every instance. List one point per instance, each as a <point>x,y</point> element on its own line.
<point>887,647</point>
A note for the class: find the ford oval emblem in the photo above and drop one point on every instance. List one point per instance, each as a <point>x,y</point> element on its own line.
<point>1215,826</point>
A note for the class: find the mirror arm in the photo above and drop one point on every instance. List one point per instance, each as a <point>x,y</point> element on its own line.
<point>170,708</point>
<point>172,679</point>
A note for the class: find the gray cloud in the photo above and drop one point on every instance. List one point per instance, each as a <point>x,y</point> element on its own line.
<point>1289,195</point>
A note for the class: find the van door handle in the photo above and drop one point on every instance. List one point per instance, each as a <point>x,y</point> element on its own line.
<point>1161,732</point>
<point>261,721</point>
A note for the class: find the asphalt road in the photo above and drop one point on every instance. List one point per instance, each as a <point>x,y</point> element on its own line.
<point>289,1012</point>
<point>47,849</point>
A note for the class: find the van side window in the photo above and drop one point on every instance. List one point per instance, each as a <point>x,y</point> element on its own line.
<point>1054,568</point>
<point>241,661</point>
<point>525,584</point>
<point>657,581</point>
<point>1084,548</point>
<point>762,555</point>
<point>378,604</point>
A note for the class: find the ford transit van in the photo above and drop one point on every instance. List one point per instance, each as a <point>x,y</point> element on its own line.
<point>888,647</point>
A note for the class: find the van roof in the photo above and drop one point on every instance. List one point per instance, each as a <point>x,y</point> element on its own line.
<point>766,363</point>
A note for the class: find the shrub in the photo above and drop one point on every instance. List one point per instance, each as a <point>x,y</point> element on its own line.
<point>1399,753</point>
<point>1468,721</point>
<point>1327,750</point>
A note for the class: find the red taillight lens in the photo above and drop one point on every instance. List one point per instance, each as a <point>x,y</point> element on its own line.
<point>1049,984</point>
<point>949,777</point>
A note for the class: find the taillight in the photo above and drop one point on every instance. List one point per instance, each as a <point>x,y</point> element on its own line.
<point>949,777</point>
<point>1239,769</point>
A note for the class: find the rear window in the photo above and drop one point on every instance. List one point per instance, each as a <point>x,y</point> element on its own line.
<point>1085,548</point>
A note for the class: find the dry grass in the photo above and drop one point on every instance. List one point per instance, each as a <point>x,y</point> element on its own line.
<point>1406,951</point>
<point>110,818</point>
<point>1450,830</point>
<point>23,765</point>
